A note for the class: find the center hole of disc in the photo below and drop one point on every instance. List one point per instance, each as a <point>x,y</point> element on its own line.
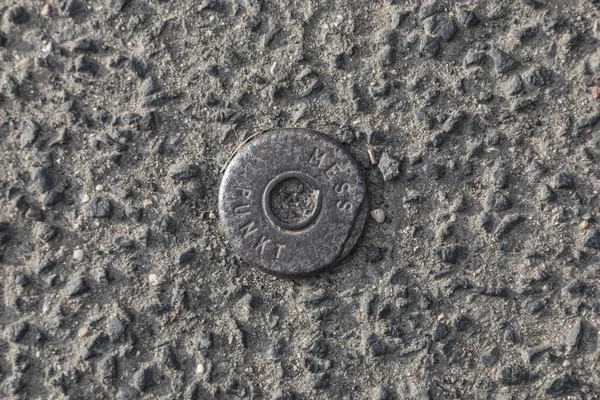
<point>293,200</point>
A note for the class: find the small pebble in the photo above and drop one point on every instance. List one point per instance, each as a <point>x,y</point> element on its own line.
<point>584,224</point>
<point>592,240</point>
<point>502,61</point>
<point>372,156</point>
<point>83,332</point>
<point>76,286</point>
<point>575,335</point>
<point>373,346</point>
<point>143,379</point>
<point>373,254</point>
<point>200,369</point>
<point>17,330</point>
<point>467,18</point>
<point>78,255</point>
<point>154,279</point>
<point>389,167</point>
<point>86,65</point>
<point>378,215</point>
<point>98,208</point>
<point>168,357</point>
<point>440,331</point>
<point>448,254</point>
<point>46,10</point>
<point>564,180</point>
<point>183,171</point>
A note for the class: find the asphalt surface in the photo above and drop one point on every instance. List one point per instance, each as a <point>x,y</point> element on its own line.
<point>476,123</point>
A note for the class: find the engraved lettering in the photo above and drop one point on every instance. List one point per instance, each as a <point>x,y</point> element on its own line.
<point>262,242</point>
<point>245,192</point>
<point>279,247</point>
<point>333,170</point>
<point>344,206</point>
<point>248,229</point>
<point>317,157</point>
<point>242,209</point>
<point>342,187</point>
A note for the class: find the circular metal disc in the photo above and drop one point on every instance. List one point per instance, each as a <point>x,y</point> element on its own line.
<point>333,226</point>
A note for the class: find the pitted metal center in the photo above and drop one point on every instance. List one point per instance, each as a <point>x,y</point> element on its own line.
<point>288,223</point>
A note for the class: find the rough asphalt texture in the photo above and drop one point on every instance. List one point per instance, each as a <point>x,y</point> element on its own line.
<point>482,282</point>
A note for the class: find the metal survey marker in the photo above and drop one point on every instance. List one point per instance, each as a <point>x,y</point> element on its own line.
<point>293,202</point>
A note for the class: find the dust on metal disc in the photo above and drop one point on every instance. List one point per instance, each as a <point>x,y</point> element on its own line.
<point>334,224</point>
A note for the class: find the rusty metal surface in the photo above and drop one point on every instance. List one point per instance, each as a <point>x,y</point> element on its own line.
<point>333,227</point>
